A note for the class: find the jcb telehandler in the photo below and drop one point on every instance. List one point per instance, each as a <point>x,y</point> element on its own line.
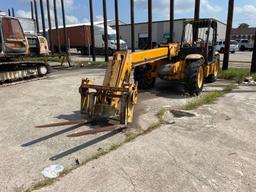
<point>193,61</point>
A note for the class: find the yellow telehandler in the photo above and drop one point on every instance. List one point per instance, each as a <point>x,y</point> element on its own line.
<point>193,61</point>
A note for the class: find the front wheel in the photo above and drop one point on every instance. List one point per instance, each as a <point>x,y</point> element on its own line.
<point>194,78</point>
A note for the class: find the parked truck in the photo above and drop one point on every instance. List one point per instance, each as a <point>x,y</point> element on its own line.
<point>79,37</point>
<point>245,44</point>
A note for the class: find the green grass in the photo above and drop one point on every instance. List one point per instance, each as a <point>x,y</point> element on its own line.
<point>203,100</point>
<point>208,98</point>
<point>94,64</point>
<point>86,63</point>
<point>237,74</point>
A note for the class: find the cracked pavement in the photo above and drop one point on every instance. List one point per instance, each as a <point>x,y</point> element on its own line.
<point>211,151</point>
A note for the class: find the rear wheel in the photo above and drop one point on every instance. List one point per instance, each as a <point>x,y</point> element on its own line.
<point>194,77</point>
<point>143,77</point>
<point>110,52</point>
<point>242,48</point>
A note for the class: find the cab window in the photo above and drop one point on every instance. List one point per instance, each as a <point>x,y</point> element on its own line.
<point>12,29</point>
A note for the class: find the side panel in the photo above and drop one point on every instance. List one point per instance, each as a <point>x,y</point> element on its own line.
<point>78,36</point>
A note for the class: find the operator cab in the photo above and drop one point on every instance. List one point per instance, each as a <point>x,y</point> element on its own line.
<point>199,37</point>
<point>12,37</point>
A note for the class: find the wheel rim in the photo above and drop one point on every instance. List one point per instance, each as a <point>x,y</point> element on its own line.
<point>43,70</point>
<point>200,77</point>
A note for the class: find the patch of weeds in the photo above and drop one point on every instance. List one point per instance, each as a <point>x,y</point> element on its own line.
<point>203,100</point>
<point>237,74</point>
<point>209,98</point>
<point>229,88</point>
<point>160,115</point>
<point>114,147</point>
<point>130,136</point>
<point>41,184</point>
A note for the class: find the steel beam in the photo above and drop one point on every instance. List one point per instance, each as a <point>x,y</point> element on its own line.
<point>117,26</point>
<point>105,29</point>
<point>228,34</point>
<point>36,15</point>
<point>57,36</point>
<point>42,17</point>
<point>253,66</point>
<point>32,10</point>
<point>132,26</point>
<point>50,26</point>
<point>149,24</point>
<point>171,20</point>
<point>92,31</point>
<point>64,26</point>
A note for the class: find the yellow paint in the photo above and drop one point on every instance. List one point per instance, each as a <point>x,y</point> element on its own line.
<point>118,75</point>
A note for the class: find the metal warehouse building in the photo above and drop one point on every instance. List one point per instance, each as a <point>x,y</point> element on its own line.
<point>160,32</point>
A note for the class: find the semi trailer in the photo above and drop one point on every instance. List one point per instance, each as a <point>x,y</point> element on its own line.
<point>79,37</point>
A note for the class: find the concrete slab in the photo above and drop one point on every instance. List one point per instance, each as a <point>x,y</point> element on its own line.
<point>26,151</point>
<point>211,151</point>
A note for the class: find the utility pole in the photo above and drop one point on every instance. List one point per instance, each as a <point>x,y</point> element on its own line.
<point>36,14</point>
<point>117,25</point>
<point>42,17</point>
<point>253,66</point>
<point>57,34</point>
<point>92,31</point>
<point>105,29</point>
<point>32,10</point>
<point>197,10</point>
<point>64,26</point>
<point>13,12</point>
<point>132,25</point>
<point>50,25</point>
<point>149,24</point>
<point>171,20</point>
<point>228,34</point>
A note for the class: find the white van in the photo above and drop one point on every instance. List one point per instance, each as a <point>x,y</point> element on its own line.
<point>220,47</point>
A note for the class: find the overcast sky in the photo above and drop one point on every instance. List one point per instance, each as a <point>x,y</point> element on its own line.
<point>77,10</point>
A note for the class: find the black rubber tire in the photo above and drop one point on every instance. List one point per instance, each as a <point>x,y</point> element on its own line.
<point>110,52</point>
<point>212,78</point>
<point>242,48</point>
<point>140,76</point>
<point>191,78</point>
<point>84,51</point>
